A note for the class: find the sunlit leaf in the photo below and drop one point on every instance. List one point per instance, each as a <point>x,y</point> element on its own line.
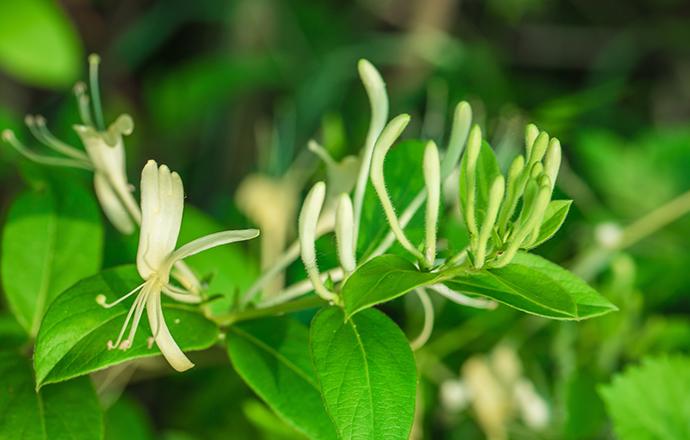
<point>52,238</point>
<point>382,279</point>
<point>554,217</point>
<point>650,401</point>
<point>75,331</point>
<point>66,410</point>
<point>272,356</point>
<point>367,373</point>
<point>535,285</point>
<point>38,43</point>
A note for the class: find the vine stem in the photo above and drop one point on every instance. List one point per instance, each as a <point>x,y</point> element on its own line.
<point>655,220</point>
<point>279,309</point>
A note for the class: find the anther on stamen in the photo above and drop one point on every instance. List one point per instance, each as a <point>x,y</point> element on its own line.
<point>100,299</point>
<point>79,88</point>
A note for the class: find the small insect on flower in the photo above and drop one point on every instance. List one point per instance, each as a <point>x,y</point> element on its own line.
<point>162,204</point>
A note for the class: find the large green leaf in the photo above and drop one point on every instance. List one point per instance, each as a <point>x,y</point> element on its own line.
<point>12,335</point>
<point>555,215</point>
<point>75,331</point>
<point>404,180</point>
<point>52,238</point>
<point>127,420</point>
<point>486,172</point>
<point>228,269</point>
<point>651,401</point>
<point>68,410</point>
<point>382,279</point>
<point>272,356</point>
<point>367,374</point>
<point>38,44</point>
<point>535,285</point>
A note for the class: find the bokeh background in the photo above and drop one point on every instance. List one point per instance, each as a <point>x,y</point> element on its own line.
<point>223,89</point>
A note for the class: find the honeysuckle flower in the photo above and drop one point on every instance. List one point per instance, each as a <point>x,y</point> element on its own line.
<point>162,203</point>
<point>344,233</point>
<point>388,136</point>
<point>432,183</point>
<point>498,391</point>
<point>531,179</point>
<point>271,204</point>
<point>341,175</point>
<point>308,220</point>
<point>105,154</point>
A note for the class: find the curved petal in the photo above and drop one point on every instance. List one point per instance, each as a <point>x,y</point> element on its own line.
<point>162,202</point>
<point>164,340</point>
<point>211,241</point>
<point>111,204</point>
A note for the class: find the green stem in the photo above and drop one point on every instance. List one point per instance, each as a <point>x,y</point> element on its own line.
<point>655,220</point>
<point>280,309</point>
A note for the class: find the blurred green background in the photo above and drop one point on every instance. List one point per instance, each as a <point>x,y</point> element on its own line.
<point>221,89</point>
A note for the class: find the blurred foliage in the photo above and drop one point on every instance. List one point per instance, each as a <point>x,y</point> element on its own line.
<point>220,89</point>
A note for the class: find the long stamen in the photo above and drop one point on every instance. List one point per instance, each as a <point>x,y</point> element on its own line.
<point>100,299</point>
<point>127,343</point>
<point>38,127</point>
<point>320,151</point>
<point>83,103</point>
<point>134,306</point>
<point>94,61</point>
<point>9,137</point>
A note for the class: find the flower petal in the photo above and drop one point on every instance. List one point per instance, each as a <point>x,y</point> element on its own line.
<point>211,241</point>
<point>167,345</point>
<point>111,204</point>
<point>162,202</point>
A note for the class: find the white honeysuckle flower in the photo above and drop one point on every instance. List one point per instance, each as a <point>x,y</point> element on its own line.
<point>344,233</point>
<point>162,204</point>
<point>341,175</point>
<point>105,153</point>
<point>432,182</point>
<point>307,224</point>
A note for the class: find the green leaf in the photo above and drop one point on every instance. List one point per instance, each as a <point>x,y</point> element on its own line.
<point>486,172</point>
<point>535,285</point>
<point>272,356</point>
<point>52,238</point>
<point>12,335</point>
<point>367,373</point>
<point>651,401</point>
<point>66,410</point>
<point>126,420</point>
<point>38,44</point>
<point>382,279</point>
<point>554,217</point>
<point>227,268</point>
<point>404,180</point>
<point>75,331</point>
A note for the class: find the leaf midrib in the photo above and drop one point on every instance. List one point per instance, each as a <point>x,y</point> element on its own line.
<point>366,373</point>
<point>292,366</point>
<point>47,273</point>
<point>121,312</point>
